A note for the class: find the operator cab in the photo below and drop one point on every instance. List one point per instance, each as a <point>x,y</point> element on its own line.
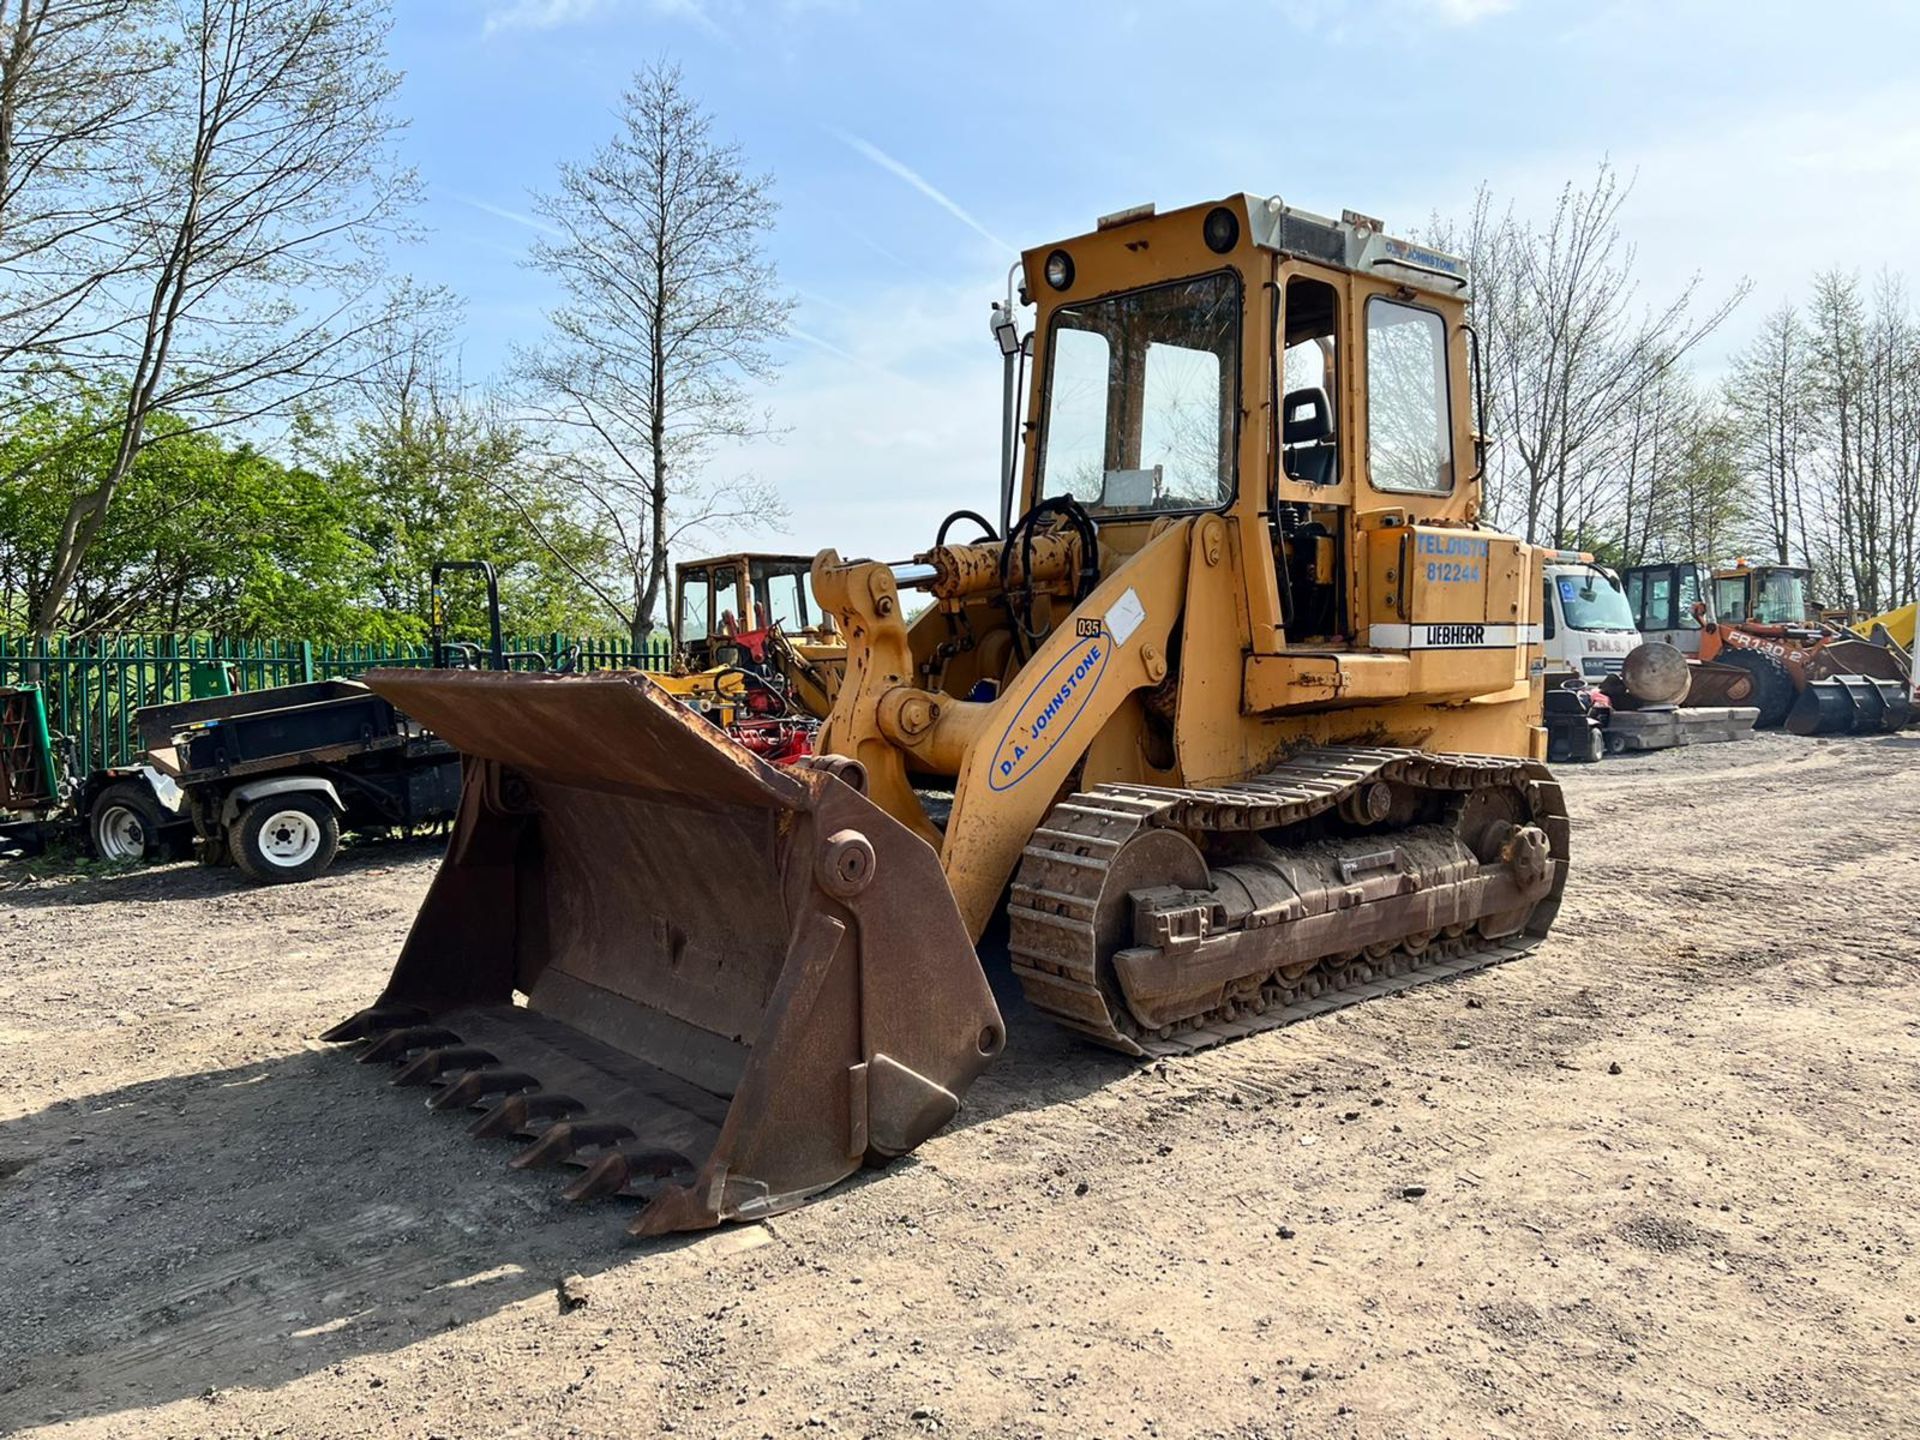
<point>724,605</point>
<point>1202,361</point>
<point>1762,594</point>
<point>1667,602</point>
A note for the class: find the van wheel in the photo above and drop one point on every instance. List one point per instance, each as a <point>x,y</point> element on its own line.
<point>123,824</point>
<point>279,839</point>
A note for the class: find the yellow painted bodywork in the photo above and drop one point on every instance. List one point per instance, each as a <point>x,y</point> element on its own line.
<point>1899,625</point>
<point>1195,682</point>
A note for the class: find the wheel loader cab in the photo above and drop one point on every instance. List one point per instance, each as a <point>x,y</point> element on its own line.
<point>1248,519</point>
<point>1762,595</point>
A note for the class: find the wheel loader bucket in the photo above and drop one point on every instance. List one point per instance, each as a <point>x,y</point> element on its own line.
<point>738,981</point>
<point>1849,704</point>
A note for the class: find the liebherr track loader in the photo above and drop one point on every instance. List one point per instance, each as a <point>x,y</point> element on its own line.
<point>1236,722</point>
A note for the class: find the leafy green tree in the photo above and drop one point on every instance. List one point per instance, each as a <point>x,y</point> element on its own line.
<point>206,536</point>
<point>437,474</point>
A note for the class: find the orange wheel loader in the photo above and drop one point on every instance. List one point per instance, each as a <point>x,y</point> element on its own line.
<point>1235,718</point>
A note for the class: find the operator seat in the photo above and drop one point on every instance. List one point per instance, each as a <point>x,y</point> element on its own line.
<point>1306,432</point>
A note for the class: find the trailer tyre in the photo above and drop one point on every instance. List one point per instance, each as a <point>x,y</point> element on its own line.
<point>123,823</point>
<point>279,839</point>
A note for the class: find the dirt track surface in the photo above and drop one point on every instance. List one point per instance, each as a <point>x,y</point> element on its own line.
<point>1658,1180</point>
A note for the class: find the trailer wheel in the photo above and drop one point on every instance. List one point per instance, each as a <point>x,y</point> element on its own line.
<point>279,839</point>
<point>123,824</point>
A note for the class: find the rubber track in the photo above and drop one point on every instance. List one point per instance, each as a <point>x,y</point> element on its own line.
<point>1056,891</point>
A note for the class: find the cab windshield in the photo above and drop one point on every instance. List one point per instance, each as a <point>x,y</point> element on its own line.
<point>1142,398</point>
<point>1591,600</point>
<point>1779,597</point>
<point>1782,599</point>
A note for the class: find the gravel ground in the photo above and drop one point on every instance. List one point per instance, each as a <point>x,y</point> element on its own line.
<point>1657,1180</point>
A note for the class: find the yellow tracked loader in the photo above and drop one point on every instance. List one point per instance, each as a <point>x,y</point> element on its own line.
<point>1238,721</point>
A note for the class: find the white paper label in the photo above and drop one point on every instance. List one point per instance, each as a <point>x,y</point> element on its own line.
<point>1125,616</point>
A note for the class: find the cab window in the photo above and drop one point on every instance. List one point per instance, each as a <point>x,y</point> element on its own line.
<point>1730,600</point>
<point>1308,433</point>
<point>1546,609</point>
<point>783,598</point>
<point>696,594</point>
<point>1142,398</point>
<point>1660,613</point>
<point>1690,595</point>
<point>1409,437</point>
<point>726,597</point>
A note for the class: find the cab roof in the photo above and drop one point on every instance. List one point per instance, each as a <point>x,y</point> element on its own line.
<point>1354,242</point>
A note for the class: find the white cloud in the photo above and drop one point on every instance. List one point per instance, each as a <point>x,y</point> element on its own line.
<point>1464,12</point>
<point>891,420</point>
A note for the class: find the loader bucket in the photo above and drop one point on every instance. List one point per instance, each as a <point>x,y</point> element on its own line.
<point>739,981</point>
<point>1849,704</point>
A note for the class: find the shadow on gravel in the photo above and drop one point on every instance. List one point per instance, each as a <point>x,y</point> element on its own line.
<point>248,1226</point>
<point>190,881</point>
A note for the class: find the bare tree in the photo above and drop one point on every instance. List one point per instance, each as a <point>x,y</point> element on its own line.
<point>1862,389</point>
<point>1768,397</point>
<point>257,270</point>
<point>77,87</point>
<point>1568,351</point>
<point>671,309</point>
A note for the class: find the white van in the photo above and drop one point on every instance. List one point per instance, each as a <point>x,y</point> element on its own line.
<point>1586,625</point>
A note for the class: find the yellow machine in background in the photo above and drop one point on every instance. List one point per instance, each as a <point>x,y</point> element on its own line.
<point>752,654</point>
<point>1896,625</point>
<point>1237,721</point>
<point>752,613</point>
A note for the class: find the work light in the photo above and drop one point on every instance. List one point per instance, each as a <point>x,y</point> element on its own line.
<point>1059,270</point>
<point>1222,230</point>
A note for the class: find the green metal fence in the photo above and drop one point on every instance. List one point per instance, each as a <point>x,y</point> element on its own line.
<point>94,684</point>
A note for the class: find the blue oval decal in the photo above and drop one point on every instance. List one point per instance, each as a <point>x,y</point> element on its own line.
<point>1050,711</point>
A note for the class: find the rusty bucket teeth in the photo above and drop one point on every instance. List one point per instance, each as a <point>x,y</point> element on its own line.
<point>511,1115</point>
<point>606,1176</point>
<point>431,1065</point>
<point>476,1085</point>
<point>561,1140</point>
<point>395,1044</point>
<point>372,1020</point>
<point>621,1170</point>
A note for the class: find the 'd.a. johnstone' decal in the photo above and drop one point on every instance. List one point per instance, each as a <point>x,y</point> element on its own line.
<point>1049,711</point>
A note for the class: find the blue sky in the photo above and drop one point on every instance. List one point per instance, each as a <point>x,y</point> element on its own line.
<point>916,144</point>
